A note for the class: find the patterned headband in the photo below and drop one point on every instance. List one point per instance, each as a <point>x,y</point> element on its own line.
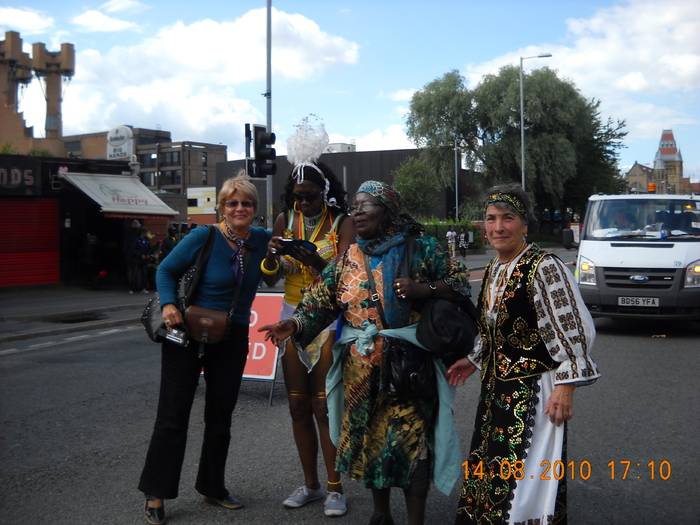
<point>508,198</point>
<point>384,193</point>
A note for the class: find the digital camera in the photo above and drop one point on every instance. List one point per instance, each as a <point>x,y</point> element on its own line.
<point>179,337</point>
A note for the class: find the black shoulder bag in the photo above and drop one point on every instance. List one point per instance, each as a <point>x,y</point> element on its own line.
<point>448,327</point>
<point>152,317</point>
<point>408,371</point>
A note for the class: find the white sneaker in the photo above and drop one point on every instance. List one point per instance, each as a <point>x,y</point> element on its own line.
<point>302,496</point>
<point>335,504</point>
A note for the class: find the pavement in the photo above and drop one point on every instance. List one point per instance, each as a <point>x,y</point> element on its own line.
<point>28,312</point>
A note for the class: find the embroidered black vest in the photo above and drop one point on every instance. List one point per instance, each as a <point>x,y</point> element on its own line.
<point>515,345</point>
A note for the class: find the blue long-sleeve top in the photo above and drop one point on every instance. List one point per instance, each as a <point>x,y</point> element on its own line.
<point>218,284</point>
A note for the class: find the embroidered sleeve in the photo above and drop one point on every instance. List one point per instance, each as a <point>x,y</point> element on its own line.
<point>565,325</point>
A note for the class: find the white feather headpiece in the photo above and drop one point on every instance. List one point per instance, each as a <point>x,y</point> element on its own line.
<point>305,147</point>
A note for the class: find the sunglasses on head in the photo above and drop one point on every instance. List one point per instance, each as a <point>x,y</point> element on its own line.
<point>308,197</point>
<point>235,204</point>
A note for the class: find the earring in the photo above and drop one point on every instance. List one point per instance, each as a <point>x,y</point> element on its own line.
<point>295,207</point>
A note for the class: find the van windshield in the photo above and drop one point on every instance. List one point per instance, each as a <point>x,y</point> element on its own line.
<point>643,218</point>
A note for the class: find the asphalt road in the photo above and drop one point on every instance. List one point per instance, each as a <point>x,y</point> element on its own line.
<point>77,410</point>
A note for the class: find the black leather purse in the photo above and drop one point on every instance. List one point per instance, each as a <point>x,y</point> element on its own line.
<point>408,372</point>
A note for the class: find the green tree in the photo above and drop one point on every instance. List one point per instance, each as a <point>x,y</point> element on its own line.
<point>440,115</point>
<point>40,152</point>
<point>416,180</point>
<point>8,149</point>
<point>570,152</point>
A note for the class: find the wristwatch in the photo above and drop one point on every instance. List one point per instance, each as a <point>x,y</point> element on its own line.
<point>433,288</point>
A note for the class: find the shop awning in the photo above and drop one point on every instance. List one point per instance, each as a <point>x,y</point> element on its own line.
<point>120,195</point>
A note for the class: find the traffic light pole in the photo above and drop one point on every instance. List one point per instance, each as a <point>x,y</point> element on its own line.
<point>268,96</point>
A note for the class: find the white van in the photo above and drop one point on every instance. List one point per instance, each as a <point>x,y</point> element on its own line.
<point>639,256</point>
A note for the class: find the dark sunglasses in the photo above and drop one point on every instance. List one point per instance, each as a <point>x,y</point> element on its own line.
<point>308,197</point>
<point>234,204</point>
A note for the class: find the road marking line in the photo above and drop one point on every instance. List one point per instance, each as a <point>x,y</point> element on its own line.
<point>77,337</point>
<point>39,345</point>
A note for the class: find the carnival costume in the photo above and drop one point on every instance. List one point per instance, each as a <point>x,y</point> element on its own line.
<point>535,333</point>
<point>381,439</point>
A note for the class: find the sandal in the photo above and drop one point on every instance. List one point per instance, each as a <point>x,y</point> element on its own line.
<point>154,515</point>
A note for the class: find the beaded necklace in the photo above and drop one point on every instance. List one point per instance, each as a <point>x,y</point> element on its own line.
<point>316,228</point>
<point>494,297</point>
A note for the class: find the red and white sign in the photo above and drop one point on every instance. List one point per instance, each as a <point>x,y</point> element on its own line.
<point>262,355</point>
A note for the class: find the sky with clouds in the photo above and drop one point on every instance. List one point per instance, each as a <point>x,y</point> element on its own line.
<point>198,69</point>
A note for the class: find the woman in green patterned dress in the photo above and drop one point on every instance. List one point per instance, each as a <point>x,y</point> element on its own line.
<point>384,441</point>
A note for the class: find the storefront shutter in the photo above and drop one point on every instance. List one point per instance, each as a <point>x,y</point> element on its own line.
<point>30,247</point>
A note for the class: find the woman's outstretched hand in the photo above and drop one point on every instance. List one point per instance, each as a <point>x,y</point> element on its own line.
<point>278,333</point>
<point>458,373</point>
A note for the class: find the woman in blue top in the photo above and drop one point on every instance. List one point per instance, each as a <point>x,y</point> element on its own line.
<point>223,362</point>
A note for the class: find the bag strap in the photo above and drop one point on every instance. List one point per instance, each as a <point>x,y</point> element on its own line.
<point>373,288</point>
<point>246,256</point>
<point>186,292</point>
<point>406,272</point>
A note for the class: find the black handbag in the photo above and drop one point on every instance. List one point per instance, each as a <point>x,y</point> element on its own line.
<point>152,317</point>
<point>446,327</point>
<point>408,372</point>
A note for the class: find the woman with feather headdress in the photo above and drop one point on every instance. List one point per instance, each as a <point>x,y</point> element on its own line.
<point>314,210</point>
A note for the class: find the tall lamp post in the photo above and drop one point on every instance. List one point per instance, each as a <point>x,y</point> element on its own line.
<point>522,115</point>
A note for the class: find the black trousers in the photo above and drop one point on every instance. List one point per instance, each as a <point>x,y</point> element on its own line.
<point>223,364</point>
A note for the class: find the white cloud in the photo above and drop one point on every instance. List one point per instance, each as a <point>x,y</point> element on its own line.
<point>25,21</point>
<point>392,138</point>
<point>186,78</point>
<point>641,59</point>
<point>124,6</point>
<point>402,95</point>
<point>94,21</point>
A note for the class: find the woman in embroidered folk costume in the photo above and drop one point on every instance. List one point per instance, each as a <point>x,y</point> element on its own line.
<point>232,275</point>
<point>386,441</point>
<point>536,335</point>
<point>314,209</point>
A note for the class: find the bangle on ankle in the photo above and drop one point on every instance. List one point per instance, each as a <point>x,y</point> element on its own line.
<point>335,482</point>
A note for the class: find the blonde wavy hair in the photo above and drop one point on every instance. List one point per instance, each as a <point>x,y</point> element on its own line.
<point>241,184</point>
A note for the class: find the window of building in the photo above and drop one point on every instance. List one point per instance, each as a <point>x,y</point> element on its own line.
<point>73,146</point>
<point>204,177</point>
<point>148,178</point>
<point>204,158</point>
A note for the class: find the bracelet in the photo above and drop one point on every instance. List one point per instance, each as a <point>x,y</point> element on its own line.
<point>334,482</point>
<point>297,324</point>
<point>266,271</point>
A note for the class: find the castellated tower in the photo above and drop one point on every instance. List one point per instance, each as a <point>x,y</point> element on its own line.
<point>17,69</point>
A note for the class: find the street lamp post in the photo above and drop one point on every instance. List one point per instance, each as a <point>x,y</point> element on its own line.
<point>522,115</point>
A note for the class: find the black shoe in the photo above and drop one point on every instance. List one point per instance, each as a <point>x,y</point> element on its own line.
<point>154,515</point>
<point>379,519</point>
<point>228,502</point>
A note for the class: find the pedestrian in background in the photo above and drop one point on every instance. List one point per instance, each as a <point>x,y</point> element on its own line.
<point>451,242</point>
<point>169,242</point>
<point>463,243</point>
<point>140,253</point>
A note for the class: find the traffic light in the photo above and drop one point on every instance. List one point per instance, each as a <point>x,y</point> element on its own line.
<point>263,153</point>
